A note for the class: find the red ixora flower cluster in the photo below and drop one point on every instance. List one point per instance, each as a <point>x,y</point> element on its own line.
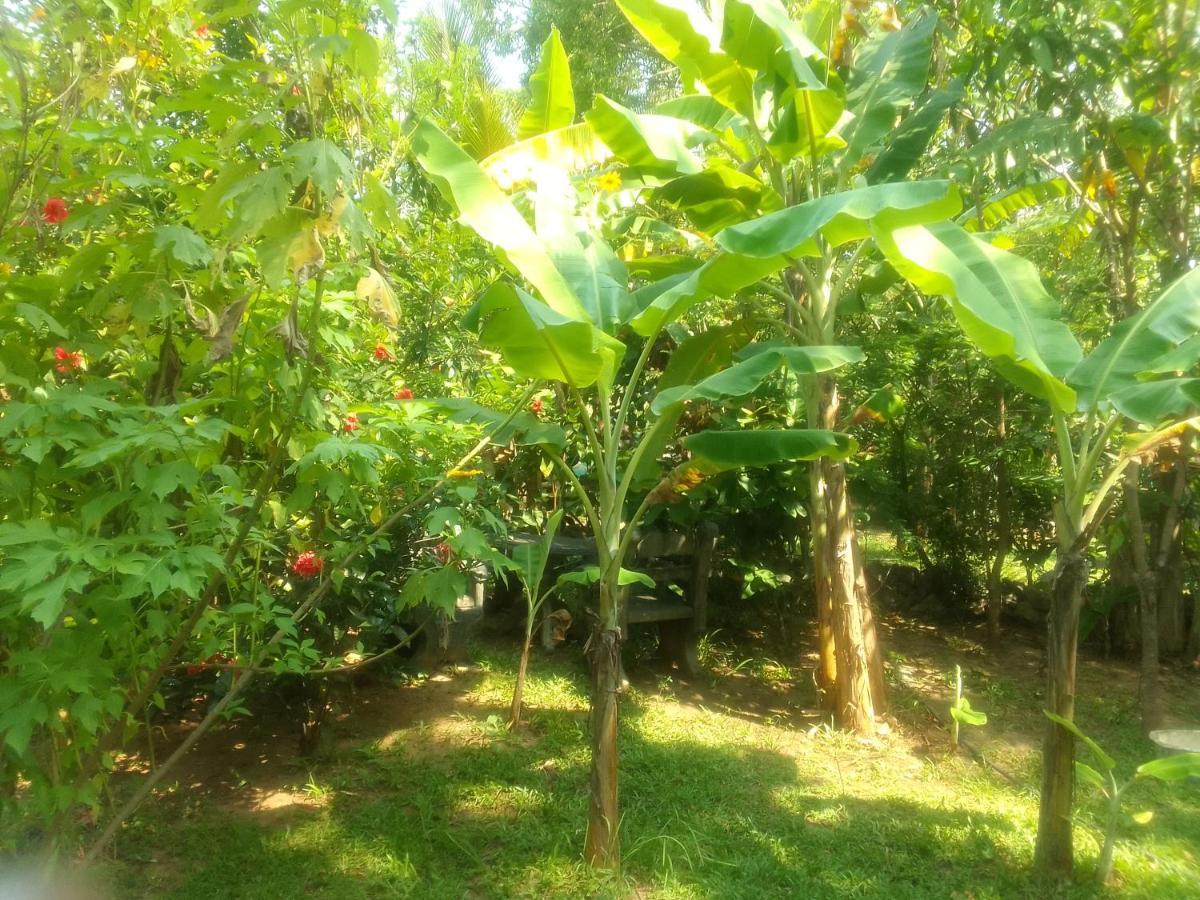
<point>68,360</point>
<point>382,352</point>
<point>308,564</point>
<point>202,30</point>
<point>536,407</point>
<point>404,394</point>
<point>54,211</point>
<point>351,423</point>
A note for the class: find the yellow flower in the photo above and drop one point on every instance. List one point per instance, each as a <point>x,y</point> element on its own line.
<point>149,60</point>
<point>6,268</point>
<point>608,181</point>
<point>38,15</point>
<point>464,473</point>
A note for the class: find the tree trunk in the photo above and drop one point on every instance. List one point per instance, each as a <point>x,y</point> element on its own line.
<point>995,593</point>
<point>602,845</point>
<point>850,668</point>
<point>1146,581</point>
<point>514,717</point>
<point>826,652</point>
<point>1053,852</point>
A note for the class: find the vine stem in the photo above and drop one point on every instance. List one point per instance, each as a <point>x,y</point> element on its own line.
<point>243,681</point>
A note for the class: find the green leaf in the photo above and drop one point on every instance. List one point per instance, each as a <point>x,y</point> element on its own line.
<point>688,38</point>
<point>718,451</point>
<point>1152,402</point>
<point>1182,359</point>
<point>656,144</point>
<point>840,218</point>
<point>599,279</point>
<point>998,300</point>
<point>662,302</point>
<point>908,143</point>
<point>538,342</point>
<point>36,316</point>
<point>552,100</point>
<point>1171,768</point>
<point>1139,342</point>
<point>715,198</point>
<point>1103,758</point>
<point>703,354</point>
<point>573,149</point>
<point>745,377</point>
<point>1008,204</point>
<point>964,715</point>
<point>882,406</point>
<point>1091,776</point>
<point>890,71</point>
<point>183,244</point>
<point>258,199</point>
<point>531,557</point>
<point>363,54</point>
<point>591,575</point>
<point>483,207</point>
<point>701,110</point>
<point>323,162</point>
<point>524,428</point>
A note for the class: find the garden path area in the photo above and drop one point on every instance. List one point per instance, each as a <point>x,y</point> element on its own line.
<point>731,788</point>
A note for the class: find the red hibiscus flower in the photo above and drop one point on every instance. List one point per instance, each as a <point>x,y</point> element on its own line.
<point>404,394</point>
<point>55,211</point>
<point>308,564</point>
<point>443,552</point>
<point>68,360</point>
<point>351,423</point>
<point>382,352</point>
<point>536,407</point>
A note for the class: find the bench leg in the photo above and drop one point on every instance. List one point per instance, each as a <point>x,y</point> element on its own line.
<point>677,641</point>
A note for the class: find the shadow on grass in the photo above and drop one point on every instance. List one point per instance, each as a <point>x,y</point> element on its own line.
<point>505,818</point>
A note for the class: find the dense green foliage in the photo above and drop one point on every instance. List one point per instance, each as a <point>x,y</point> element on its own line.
<point>304,309</point>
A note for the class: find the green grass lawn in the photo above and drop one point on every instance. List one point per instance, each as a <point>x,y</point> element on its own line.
<point>728,790</point>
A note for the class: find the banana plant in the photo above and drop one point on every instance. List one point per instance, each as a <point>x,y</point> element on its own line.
<point>1126,399</point>
<point>567,311</point>
<point>961,712</point>
<point>529,563</point>
<point>1166,769</point>
<point>785,160</point>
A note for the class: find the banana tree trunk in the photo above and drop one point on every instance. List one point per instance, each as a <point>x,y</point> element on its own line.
<point>518,700</point>
<point>821,547</point>
<point>1053,852</point>
<point>602,845</point>
<point>850,658</point>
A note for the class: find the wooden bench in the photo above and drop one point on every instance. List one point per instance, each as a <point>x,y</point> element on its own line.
<point>672,559</point>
